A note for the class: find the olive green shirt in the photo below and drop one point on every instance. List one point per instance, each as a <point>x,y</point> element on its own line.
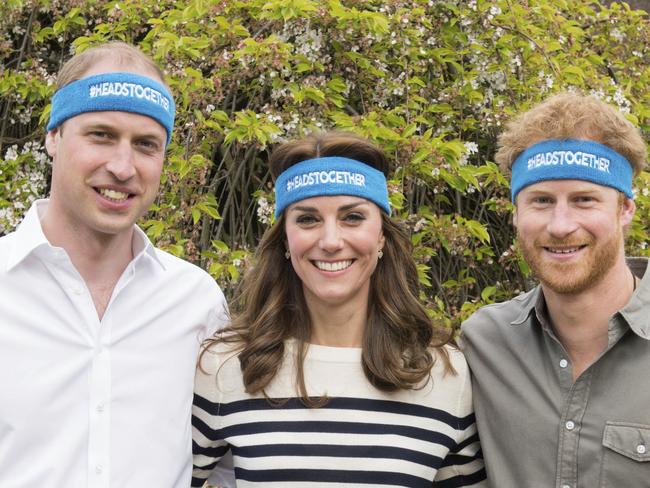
<point>538,427</point>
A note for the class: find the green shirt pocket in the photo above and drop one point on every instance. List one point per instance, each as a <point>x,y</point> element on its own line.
<point>626,457</point>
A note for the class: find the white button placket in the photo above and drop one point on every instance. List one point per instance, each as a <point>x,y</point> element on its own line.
<point>99,410</point>
<point>100,396</point>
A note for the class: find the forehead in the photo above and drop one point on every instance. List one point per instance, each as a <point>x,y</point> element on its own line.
<point>136,124</point>
<point>566,187</point>
<point>333,202</point>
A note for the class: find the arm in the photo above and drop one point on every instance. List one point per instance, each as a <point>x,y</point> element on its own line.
<point>207,446</point>
<point>218,316</point>
<point>223,474</point>
<point>463,466</point>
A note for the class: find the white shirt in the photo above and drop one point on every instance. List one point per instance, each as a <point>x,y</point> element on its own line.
<point>90,403</point>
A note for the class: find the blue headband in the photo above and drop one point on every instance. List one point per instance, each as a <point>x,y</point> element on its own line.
<point>571,159</point>
<point>327,177</point>
<point>124,92</point>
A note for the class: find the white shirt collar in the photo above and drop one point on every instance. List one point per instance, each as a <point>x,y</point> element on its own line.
<point>128,374</point>
<point>29,237</point>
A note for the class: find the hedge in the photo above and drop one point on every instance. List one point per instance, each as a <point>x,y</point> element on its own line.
<point>432,82</point>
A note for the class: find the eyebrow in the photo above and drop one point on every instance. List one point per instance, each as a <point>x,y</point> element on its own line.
<point>304,208</point>
<point>99,125</point>
<point>112,128</point>
<point>590,191</point>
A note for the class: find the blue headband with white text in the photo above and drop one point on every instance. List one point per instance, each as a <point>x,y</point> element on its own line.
<point>123,92</point>
<point>571,159</point>
<point>327,177</point>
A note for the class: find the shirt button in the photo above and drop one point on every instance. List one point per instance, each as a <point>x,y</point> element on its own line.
<point>563,364</point>
<point>640,449</point>
<point>99,469</point>
<point>570,425</point>
<point>100,408</point>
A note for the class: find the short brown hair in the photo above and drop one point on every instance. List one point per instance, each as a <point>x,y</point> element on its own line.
<point>576,116</point>
<point>125,54</point>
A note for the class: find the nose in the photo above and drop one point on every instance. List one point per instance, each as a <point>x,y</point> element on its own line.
<point>562,222</point>
<point>121,163</point>
<point>330,239</point>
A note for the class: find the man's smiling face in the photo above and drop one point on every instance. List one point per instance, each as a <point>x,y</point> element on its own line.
<point>106,165</point>
<point>571,232</point>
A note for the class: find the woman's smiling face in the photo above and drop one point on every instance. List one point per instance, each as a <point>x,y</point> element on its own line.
<point>334,243</point>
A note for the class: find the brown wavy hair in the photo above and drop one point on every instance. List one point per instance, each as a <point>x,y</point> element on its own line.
<point>400,343</point>
<point>572,115</point>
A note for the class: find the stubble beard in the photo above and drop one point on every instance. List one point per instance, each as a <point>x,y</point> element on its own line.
<point>572,278</point>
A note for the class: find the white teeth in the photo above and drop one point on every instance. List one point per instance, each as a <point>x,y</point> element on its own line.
<point>113,195</point>
<point>563,251</point>
<point>335,266</point>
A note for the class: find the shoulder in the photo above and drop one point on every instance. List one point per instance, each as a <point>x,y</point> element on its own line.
<point>496,318</point>
<point>457,359</point>
<point>178,265</point>
<point>460,372</point>
<point>5,239</point>
<point>219,373</point>
<point>638,265</point>
<point>216,355</point>
<point>6,245</point>
<point>179,269</point>
<point>443,390</point>
<point>179,283</point>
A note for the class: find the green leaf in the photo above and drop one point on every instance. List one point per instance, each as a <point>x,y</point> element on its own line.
<point>488,292</point>
<point>196,215</point>
<point>220,246</point>
<point>423,275</point>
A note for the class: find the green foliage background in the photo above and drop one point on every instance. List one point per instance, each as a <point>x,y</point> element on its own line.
<point>432,82</point>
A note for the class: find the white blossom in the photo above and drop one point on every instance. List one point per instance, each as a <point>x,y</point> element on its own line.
<point>264,210</point>
<point>621,100</point>
<point>12,153</point>
<point>471,147</point>
<point>618,35</point>
<point>419,225</point>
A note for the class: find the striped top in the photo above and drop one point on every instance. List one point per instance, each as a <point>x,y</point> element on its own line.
<point>362,436</point>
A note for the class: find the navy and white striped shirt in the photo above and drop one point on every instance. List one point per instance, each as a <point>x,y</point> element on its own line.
<point>362,436</point>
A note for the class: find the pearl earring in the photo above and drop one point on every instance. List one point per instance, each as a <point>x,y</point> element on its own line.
<point>287,254</point>
<point>380,253</point>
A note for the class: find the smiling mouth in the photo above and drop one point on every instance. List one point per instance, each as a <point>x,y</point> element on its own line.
<point>333,266</point>
<point>113,195</point>
<point>564,250</point>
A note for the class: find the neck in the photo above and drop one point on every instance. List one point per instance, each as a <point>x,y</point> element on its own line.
<point>338,326</point>
<point>581,320</point>
<point>99,258</point>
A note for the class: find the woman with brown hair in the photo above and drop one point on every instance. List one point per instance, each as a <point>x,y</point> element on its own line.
<point>331,373</point>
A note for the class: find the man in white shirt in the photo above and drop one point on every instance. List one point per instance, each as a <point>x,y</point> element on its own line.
<point>100,331</point>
